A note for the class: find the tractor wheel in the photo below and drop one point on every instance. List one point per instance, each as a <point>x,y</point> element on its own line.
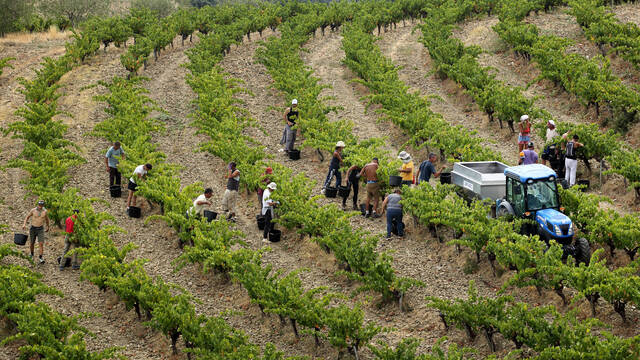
<point>503,211</point>
<point>583,253</point>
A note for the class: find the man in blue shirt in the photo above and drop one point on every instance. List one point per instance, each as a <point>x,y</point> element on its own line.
<point>111,161</point>
<point>427,168</point>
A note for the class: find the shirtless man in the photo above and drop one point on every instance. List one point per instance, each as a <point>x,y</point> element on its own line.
<point>38,216</point>
<point>369,171</point>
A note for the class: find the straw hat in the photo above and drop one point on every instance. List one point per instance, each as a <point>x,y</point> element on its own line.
<point>272,186</point>
<point>340,144</point>
<point>524,117</point>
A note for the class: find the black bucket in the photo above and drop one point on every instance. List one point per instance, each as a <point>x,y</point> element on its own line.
<point>586,183</point>
<point>20,239</point>
<point>395,180</point>
<point>210,215</point>
<point>343,191</point>
<point>67,261</point>
<point>294,154</point>
<point>135,212</point>
<point>330,192</point>
<point>115,190</point>
<point>261,221</point>
<point>274,235</point>
<point>445,178</point>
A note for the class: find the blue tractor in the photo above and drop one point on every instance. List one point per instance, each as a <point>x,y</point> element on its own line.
<point>525,191</point>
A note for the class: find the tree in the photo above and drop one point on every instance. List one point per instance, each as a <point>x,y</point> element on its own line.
<point>75,10</point>
<point>162,8</point>
<point>12,11</point>
<point>201,3</point>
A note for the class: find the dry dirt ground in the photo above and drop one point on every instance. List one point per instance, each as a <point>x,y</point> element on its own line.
<point>417,255</point>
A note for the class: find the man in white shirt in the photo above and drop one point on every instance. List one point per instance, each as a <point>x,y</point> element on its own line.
<point>551,131</point>
<point>201,202</point>
<point>138,174</point>
<point>267,210</point>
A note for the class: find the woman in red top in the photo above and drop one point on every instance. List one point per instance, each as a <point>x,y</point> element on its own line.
<point>525,131</point>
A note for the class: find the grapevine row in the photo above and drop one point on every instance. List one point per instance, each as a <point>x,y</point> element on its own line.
<point>103,263</point>
<point>299,210</point>
<point>41,330</point>
<point>536,264</point>
<point>543,329</point>
<point>209,243</point>
<point>603,28</point>
<point>409,111</point>
<point>590,80</point>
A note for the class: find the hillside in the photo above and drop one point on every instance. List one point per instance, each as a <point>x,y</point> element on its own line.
<point>418,255</point>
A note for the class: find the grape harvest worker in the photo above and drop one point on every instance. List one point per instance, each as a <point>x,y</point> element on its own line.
<point>263,184</point>
<point>428,168</point>
<point>525,132</point>
<point>334,167</point>
<point>39,218</point>
<point>138,174</point>
<point>289,134</point>
<point>529,156</point>
<point>230,197</point>
<point>70,241</point>
<point>112,161</point>
<point>406,171</point>
<point>201,202</point>
<point>394,212</point>
<point>353,180</point>
<point>550,134</point>
<point>370,172</point>
<point>571,159</point>
<point>267,210</point>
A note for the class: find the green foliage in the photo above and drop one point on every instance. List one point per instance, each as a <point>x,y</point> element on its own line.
<point>4,63</point>
<point>75,10</point>
<point>161,8</point>
<point>590,79</point>
<point>39,330</point>
<point>408,110</point>
<point>13,12</point>
<point>540,328</point>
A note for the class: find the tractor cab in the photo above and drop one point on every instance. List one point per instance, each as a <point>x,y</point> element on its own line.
<point>531,192</point>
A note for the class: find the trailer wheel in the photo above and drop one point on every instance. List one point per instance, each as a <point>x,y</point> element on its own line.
<point>583,253</point>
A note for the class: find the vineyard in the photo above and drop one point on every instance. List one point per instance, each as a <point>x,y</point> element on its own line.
<point>195,90</point>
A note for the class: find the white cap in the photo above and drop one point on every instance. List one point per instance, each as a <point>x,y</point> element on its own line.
<point>552,122</point>
<point>340,144</point>
<point>272,185</point>
<point>524,117</point>
<point>294,102</point>
<point>404,156</point>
